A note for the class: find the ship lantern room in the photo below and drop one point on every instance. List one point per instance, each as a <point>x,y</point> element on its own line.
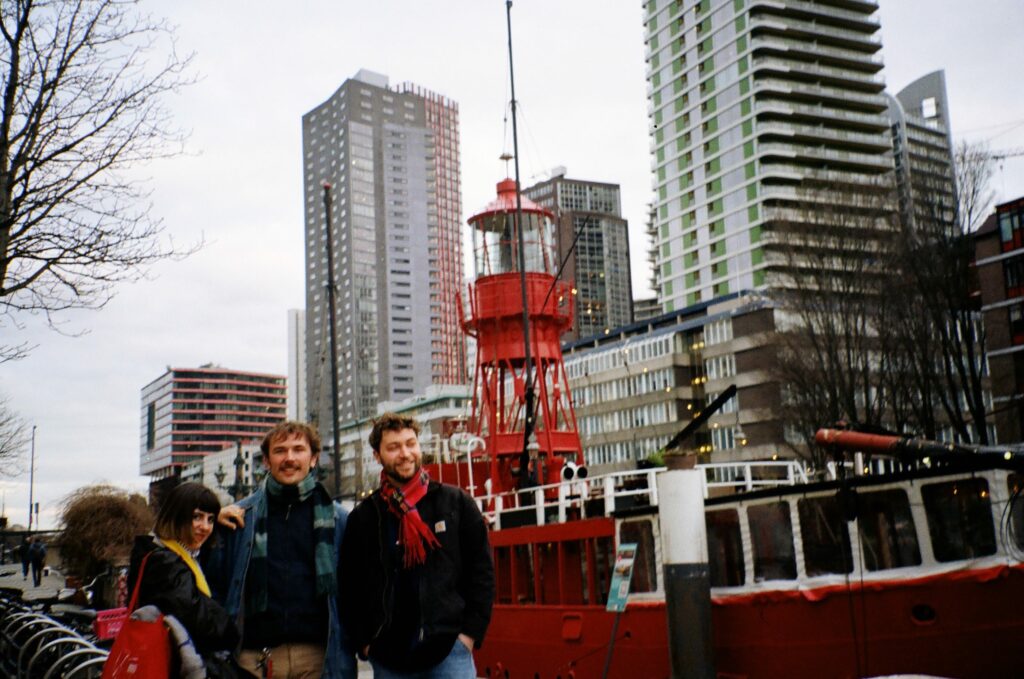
<point>496,242</point>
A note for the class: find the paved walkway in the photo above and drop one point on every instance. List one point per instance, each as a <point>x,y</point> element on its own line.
<point>11,578</point>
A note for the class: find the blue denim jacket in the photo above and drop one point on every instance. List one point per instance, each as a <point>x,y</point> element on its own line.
<point>226,569</point>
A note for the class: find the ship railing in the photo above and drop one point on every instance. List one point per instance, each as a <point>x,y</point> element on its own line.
<point>607,493</point>
<point>873,466</point>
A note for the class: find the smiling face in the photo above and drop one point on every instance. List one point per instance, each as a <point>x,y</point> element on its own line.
<point>400,455</point>
<point>202,526</point>
<point>289,459</point>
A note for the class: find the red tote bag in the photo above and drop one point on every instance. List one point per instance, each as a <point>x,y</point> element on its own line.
<point>142,650</point>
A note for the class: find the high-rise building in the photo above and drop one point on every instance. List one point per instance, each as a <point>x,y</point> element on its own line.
<point>756,109</point>
<point>297,365</point>
<point>923,152</point>
<point>598,266</point>
<point>188,413</point>
<point>392,158</point>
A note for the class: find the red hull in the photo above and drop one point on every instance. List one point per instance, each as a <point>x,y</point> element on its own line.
<point>976,631</point>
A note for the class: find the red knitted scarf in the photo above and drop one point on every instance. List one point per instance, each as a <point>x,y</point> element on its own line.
<point>414,536</point>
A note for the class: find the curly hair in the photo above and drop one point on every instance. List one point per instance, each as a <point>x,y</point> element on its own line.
<point>391,422</point>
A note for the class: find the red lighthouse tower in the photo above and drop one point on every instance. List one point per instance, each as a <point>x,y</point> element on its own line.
<point>507,370</point>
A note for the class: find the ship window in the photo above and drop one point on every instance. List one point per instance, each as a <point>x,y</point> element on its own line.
<point>547,572</point>
<point>887,535</point>
<point>771,531</point>
<point>959,519</point>
<point>645,569</point>
<point>826,539</point>
<point>604,558</point>
<point>1015,484</point>
<point>725,548</point>
<point>573,572</point>
<point>503,575</point>
<point>522,575</point>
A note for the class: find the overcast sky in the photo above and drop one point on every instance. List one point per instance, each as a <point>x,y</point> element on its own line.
<point>580,82</point>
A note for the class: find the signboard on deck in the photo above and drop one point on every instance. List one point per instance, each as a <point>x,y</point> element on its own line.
<point>621,576</point>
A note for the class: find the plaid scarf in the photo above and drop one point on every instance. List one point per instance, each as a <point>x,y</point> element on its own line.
<point>323,538</point>
<point>413,535</point>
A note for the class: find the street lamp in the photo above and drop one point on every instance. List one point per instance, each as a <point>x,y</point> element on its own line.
<point>239,488</point>
<point>31,477</point>
<point>738,435</point>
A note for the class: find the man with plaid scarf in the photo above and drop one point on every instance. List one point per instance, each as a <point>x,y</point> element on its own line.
<point>415,572</point>
<point>276,573</point>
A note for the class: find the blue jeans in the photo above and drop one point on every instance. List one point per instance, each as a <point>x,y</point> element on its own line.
<point>458,665</point>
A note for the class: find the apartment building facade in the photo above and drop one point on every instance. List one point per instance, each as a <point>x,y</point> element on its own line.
<point>593,243</point>
<point>757,111</point>
<point>923,153</point>
<point>189,413</point>
<point>999,256</point>
<point>391,156</point>
<point>636,387</point>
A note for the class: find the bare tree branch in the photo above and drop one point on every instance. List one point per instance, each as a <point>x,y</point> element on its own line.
<point>14,438</point>
<point>82,106</point>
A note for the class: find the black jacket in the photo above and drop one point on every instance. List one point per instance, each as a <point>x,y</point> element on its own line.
<point>455,584</point>
<point>168,584</point>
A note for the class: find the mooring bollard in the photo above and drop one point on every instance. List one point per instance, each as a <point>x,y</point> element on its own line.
<point>687,578</point>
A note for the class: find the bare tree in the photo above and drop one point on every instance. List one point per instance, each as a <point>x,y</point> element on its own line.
<point>829,248</point>
<point>82,107</point>
<point>973,167</point>
<point>940,333</point>
<point>14,436</point>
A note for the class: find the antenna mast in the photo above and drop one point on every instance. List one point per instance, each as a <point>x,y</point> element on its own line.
<point>521,260</point>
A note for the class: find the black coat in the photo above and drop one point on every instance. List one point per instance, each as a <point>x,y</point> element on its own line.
<point>168,584</point>
<point>455,584</point>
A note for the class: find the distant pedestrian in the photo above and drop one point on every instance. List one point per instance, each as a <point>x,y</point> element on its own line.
<point>23,548</point>
<point>37,555</point>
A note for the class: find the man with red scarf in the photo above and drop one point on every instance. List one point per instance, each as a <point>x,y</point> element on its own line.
<point>415,572</point>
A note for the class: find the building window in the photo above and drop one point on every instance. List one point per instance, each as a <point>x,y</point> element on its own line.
<point>151,425</point>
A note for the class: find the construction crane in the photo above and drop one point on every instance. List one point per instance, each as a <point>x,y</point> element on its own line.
<point>1003,154</point>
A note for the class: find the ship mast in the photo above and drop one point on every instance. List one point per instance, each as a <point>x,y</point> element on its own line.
<point>333,349</point>
<point>524,457</point>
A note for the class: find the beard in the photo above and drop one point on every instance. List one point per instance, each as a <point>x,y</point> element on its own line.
<point>395,476</point>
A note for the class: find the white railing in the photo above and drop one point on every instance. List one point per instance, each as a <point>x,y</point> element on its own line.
<point>603,495</point>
